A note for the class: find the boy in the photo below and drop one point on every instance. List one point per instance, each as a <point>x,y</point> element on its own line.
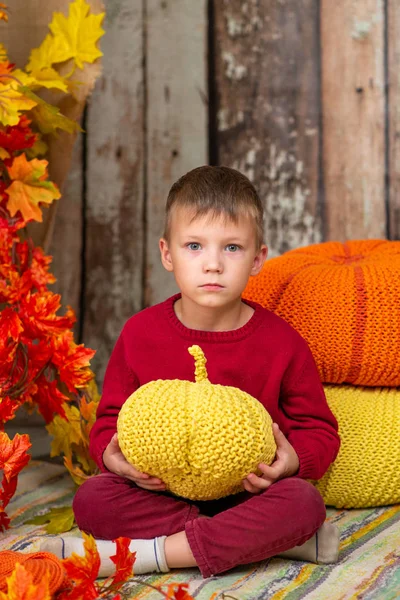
<point>213,242</point>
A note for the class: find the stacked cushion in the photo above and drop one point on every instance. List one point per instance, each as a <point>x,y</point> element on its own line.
<point>344,299</point>
<point>366,471</point>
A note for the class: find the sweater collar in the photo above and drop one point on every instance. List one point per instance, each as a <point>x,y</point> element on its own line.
<point>212,336</point>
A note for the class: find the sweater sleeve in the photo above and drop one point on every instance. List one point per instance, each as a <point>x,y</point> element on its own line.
<point>119,383</point>
<point>308,422</point>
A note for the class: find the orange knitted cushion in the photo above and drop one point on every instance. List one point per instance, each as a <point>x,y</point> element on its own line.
<point>344,299</point>
<point>37,563</point>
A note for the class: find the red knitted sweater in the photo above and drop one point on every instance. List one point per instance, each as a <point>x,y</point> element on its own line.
<point>266,358</point>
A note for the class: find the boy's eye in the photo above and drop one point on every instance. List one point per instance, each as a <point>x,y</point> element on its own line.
<point>193,246</point>
<point>233,248</point>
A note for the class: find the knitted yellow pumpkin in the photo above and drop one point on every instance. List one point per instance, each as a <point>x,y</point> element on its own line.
<point>199,438</point>
<point>344,300</point>
<point>367,469</point>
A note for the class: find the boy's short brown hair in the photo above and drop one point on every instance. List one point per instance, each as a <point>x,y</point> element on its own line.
<point>218,190</point>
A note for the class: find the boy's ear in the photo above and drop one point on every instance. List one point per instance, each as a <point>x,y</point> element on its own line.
<point>259,260</point>
<point>165,255</point>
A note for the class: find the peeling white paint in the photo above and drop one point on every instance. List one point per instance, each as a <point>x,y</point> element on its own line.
<point>311,131</point>
<point>256,23</point>
<point>247,164</point>
<point>233,71</point>
<point>289,224</point>
<point>234,27</point>
<point>222,119</point>
<point>226,121</point>
<point>361,29</point>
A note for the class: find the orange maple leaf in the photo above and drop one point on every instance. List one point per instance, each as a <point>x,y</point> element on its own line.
<point>3,14</point>
<point>21,587</point>
<point>29,188</point>
<point>13,455</point>
<point>72,361</point>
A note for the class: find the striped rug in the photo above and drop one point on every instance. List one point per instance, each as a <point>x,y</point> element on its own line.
<point>368,569</point>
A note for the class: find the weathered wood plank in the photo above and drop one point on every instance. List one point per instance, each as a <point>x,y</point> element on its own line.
<point>176,72</point>
<point>393,33</point>
<point>267,78</point>
<point>115,163</point>
<point>66,243</point>
<point>353,97</point>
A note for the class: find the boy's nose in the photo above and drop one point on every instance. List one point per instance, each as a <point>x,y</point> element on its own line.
<point>212,264</point>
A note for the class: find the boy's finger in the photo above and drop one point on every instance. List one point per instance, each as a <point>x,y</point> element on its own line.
<point>249,487</point>
<point>133,473</point>
<point>272,472</point>
<point>259,482</point>
<point>280,437</point>
<point>154,487</point>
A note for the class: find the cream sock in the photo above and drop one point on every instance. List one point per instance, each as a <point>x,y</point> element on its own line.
<point>322,548</point>
<point>150,555</point>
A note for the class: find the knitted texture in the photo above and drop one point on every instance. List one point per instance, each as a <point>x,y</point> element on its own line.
<point>343,298</point>
<point>200,439</point>
<point>37,564</point>
<point>366,471</point>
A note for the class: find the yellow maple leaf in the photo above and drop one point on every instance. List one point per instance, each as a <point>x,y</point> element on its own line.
<point>65,432</point>
<point>78,34</point>
<point>48,117</point>
<point>39,148</point>
<point>50,78</point>
<point>4,154</point>
<point>3,52</point>
<point>21,587</point>
<point>56,520</point>
<point>46,55</point>
<point>12,103</point>
<point>29,188</point>
<point>76,472</point>
<point>46,77</point>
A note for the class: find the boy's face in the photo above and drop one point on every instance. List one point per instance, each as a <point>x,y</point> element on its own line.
<point>212,258</point>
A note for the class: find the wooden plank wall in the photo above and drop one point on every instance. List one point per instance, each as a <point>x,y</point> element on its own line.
<point>393,116</point>
<point>353,99</point>
<point>301,95</point>
<point>268,98</point>
<point>114,193</point>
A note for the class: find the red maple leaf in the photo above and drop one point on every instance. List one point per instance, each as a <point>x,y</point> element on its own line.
<point>13,458</point>
<point>82,572</point>
<point>178,591</point>
<point>124,560</point>
<point>17,137</point>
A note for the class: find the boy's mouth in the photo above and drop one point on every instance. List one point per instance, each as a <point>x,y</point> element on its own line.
<point>212,286</point>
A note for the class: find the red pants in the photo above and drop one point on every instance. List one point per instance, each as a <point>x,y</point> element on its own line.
<point>246,528</point>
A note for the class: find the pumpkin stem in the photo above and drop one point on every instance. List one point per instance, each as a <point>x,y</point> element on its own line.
<point>199,362</point>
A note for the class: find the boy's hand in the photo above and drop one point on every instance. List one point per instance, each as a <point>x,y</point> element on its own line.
<point>116,462</point>
<point>286,464</point>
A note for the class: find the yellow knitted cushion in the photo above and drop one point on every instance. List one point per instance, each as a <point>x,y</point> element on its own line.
<point>344,300</point>
<point>367,469</point>
<point>200,439</point>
